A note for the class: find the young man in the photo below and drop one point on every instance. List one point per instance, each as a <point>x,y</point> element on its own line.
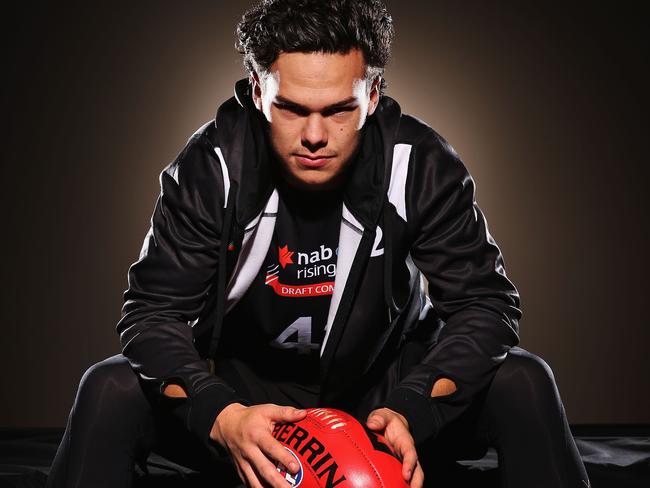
<point>285,268</point>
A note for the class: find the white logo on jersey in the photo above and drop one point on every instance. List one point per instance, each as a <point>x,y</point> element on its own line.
<point>324,254</point>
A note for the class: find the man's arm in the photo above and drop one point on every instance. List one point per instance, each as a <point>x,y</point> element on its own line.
<point>168,286</point>
<point>467,286</point>
<point>167,291</point>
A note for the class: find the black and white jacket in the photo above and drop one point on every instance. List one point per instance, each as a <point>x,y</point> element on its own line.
<point>409,219</point>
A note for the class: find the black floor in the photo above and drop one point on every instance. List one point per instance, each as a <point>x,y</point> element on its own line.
<point>615,457</point>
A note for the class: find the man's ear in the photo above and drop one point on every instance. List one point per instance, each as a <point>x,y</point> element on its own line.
<point>257,90</point>
<point>374,95</point>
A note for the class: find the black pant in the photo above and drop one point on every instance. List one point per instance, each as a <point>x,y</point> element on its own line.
<point>113,424</point>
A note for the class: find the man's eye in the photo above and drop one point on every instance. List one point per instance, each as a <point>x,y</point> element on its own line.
<point>340,111</point>
<point>299,112</point>
<point>291,110</point>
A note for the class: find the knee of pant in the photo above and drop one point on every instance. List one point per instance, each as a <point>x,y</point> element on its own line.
<point>523,381</point>
<point>110,382</point>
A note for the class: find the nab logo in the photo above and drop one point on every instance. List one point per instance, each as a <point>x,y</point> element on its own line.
<point>293,479</point>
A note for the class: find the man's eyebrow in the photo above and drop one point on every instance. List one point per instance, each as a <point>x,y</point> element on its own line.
<point>342,103</point>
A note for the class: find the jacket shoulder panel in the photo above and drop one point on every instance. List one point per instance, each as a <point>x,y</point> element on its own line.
<point>199,168</point>
<point>434,167</point>
<point>417,149</point>
<point>415,131</point>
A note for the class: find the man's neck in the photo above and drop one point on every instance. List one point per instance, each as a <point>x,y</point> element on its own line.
<point>296,191</point>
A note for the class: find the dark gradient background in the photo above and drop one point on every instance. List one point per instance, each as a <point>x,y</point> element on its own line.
<point>545,104</point>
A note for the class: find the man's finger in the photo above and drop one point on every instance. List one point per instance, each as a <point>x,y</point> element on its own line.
<point>277,452</point>
<point>418,477</point>
<point>266,470</point>
<point>409,463</point>
<point>399,438</point>
<point>240,473</point>
<point>251,477</point>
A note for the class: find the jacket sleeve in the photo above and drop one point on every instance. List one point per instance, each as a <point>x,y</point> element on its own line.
<point>467,286</point>
<point>168,285</point>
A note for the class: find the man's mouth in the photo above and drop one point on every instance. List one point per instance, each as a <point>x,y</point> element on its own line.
<point>313,161</point>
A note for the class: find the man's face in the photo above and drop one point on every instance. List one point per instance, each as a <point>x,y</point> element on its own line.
<point>316,104</point>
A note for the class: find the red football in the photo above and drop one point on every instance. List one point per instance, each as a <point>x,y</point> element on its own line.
<point>334,450</point>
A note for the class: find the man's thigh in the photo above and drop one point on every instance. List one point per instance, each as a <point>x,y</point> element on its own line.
<point>174,442</point>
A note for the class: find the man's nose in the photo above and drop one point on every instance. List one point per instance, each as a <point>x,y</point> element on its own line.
<point>314,133</point>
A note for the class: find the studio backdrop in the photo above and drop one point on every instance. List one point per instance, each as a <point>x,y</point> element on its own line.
<point>545,105</point>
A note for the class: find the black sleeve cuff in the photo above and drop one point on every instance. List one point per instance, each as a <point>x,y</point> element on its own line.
<point>204,408</point>
<point>199,411</point>
<point>419,411</point>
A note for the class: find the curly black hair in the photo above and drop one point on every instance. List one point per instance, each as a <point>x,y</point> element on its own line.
<point>330,26</point>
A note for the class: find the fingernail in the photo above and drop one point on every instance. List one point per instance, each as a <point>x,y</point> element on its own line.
<point>293,467</point>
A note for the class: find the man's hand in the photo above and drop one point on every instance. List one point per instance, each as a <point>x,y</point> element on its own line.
<point>245,432</point>
<point>394,427</point>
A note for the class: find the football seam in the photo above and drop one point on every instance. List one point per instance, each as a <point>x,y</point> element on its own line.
<point>374,469</point>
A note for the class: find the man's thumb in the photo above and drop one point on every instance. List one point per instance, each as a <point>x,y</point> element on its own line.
<point>376,422</point>
<point>289,414</point>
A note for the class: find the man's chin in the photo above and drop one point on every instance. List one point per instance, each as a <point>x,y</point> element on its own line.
<point>319,179</point>
<point>314,184</point>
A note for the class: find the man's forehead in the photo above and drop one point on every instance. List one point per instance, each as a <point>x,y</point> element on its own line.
<point>317,79</point>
